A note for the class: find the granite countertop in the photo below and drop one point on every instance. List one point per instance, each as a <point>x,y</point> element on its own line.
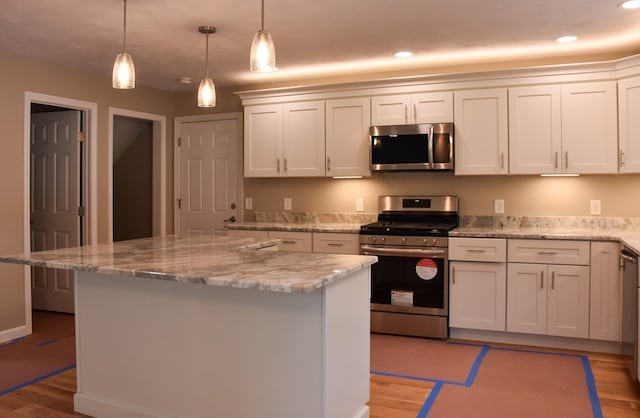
<point>343,227</point>
<point>207,260</point>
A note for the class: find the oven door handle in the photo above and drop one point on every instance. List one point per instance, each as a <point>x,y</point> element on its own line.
<point>403,252</point>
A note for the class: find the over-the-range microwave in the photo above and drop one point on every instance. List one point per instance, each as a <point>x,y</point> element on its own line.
<point>424,146</point>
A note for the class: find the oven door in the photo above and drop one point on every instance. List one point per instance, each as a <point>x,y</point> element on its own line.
<point>410,280</point>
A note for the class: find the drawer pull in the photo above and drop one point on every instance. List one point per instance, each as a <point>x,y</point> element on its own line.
<point>335,244</point>
<point>547,252</point>
<point>474,250</point>
<point>553,280</point>
<point>453,275</point>
<point>542,279</point>
<point>288,242</point>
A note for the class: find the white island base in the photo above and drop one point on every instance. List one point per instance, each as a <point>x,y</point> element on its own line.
<point>155,348</point>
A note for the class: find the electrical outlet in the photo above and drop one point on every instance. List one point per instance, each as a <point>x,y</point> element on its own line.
<point>498,206</point>
<point>596,207</point>
<point>287,203</point>
<point>359,204</point>
<point>248,203</point>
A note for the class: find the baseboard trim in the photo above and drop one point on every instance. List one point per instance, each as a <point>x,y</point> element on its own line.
<point>99,408</point>
<point>13,333</point>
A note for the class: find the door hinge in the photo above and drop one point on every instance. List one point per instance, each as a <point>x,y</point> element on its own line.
<point>80,210</point>
<point>179,203</point>
<point>179,141</point>
<point>82,136</point>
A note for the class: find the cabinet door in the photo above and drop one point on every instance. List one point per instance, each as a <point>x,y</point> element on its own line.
<point>390,110</point>
<point>477,293</point>
<point>527,298</point>
<point>605,291</point>
<point>629,124</point>
<point>303,139</point>
<point>534,130</point>
<point>263,140</point>
<point>480,119</point>
<point>347,137</point>
<point>568,301</point>
<point>590,128</point>
<point>293,241</point>
<point>432,107</point>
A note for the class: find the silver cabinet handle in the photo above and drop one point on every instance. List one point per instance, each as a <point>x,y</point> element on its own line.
<point>335,244</point>
<point>555,164</point>
<point>328,163</point>
<point>476,250</point>
<point>502,160</point>
<point>285,165</point>
<point>621,159</point>
<point>553,280</point>
<point>453,275</point>
<point>406,114</point>
<point>542,279</point>
<point>278,165</point>
<point>547,252</point>
<point>566,159</point>
<point>415,114</point>
<point>289,242</point>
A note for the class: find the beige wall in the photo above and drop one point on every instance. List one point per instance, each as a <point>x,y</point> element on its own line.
<point>523,195</point>
<point>20,75</point>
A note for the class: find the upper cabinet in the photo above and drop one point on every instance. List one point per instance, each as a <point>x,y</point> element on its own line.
<point>569,128</point>
<point>284,140</point>
<point>347,137</point>
<point>629,124</point>
<point>401,109</point>
<point>481,138</point>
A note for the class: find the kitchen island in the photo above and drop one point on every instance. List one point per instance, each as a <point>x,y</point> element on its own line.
<point>217,327</point>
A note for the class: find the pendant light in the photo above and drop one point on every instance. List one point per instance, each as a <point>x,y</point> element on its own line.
<point>124,73</point>
<point>206,89</point>
<point>263,52</point>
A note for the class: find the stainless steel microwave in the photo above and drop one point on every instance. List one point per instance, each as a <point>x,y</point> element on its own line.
<point>425,146</point>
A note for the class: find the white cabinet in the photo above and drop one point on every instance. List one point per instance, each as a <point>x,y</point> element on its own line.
<point>293,241</point>
<point>590,128</point>
<point>347,137</point>
<point>535,136</point>
<point>569,128</point>
<point>477,286</point>
<point>629,124</point>
<point>284,140</point>
<point>336,243</point>
<point>481,136</point>
<point>606,291</point>
<point>551,299</point>
<point>403,109</point>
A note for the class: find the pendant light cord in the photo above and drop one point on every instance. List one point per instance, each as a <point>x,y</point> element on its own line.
<point>124,26</point>
<point>261,18</point>
<point>206,60</point>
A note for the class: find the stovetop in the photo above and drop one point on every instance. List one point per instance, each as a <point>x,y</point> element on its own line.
<point>408,228</point>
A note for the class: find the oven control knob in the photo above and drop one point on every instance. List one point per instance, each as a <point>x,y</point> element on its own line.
<point>374,239</point>
<point>433,242</point>
<point>381,239</point>
<point>425,241</point>
<point>404,240</point>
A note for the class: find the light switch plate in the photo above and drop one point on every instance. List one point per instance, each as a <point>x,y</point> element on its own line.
<point>596,207</point>
<point>498,206</point>
<point>287,203</point>
<point>359,204</point>
<point>248,203</point>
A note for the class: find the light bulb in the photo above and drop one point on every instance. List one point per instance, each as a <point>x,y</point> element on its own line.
<point>124,72</point>
<point>263,53</point>
<point>206,93</point>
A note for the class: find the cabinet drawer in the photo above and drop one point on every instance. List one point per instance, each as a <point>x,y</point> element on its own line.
<point>292,241</point>
<point>549,251</point>
<point>478,249</point>
<point>248,233</point>
<point>336,243</point>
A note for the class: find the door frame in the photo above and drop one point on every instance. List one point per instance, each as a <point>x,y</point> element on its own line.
<point>90,188</point>
<point>177,127</point>
<point>159,186</point>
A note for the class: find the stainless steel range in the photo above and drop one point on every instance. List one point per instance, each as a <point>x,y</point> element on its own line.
<point>410,282</point>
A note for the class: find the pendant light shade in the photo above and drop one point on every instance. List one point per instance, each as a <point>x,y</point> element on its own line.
<point>124,72</point>
<point>206,89</point>
<point>263,51</point>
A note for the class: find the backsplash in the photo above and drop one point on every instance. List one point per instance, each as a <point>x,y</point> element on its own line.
<point>315,217</point>
<point>546,222</point>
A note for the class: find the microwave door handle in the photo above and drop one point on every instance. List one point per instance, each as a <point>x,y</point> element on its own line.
<point>430,145</point>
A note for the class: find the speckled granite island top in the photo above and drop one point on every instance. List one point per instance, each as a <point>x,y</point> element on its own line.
<point>208,260</point>
<point>341,227</point>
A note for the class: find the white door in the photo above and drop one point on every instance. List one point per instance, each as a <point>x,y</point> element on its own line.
<point>568,301</point>
<point>208,175</point>
<point>54,203</point>
<point>347,136</point>
<point>527,298</point>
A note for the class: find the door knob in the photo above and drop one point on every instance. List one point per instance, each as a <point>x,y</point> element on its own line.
<point>230,220</point>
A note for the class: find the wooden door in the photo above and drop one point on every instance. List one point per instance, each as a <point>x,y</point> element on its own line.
<point>208,175</point>
<point>55,198</point>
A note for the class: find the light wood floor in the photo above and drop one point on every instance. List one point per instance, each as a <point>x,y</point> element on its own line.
<point>390,397</point>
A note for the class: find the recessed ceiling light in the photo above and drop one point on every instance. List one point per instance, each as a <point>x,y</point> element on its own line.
<point>184,80</point>
<point>403,54</point>
<point>566,39</point>
<point>630,4</point>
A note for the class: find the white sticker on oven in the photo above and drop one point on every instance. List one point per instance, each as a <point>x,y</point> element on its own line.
<point>401,297</point>
<point>426,269</point>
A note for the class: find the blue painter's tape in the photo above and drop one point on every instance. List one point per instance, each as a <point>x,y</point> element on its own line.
<point>48,342</point>
<point>476,366</point>
<point>591,385</point>
<point>37,379</point>
<point>431,399</point>
<point>422,379</point>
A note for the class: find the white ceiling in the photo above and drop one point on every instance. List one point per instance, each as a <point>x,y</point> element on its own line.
<point>314,38</point>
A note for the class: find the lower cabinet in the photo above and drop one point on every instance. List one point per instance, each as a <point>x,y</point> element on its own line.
<point>606,292</point>
<point>477,295</point>
<point>548,299</point>
<point>317,242</point>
